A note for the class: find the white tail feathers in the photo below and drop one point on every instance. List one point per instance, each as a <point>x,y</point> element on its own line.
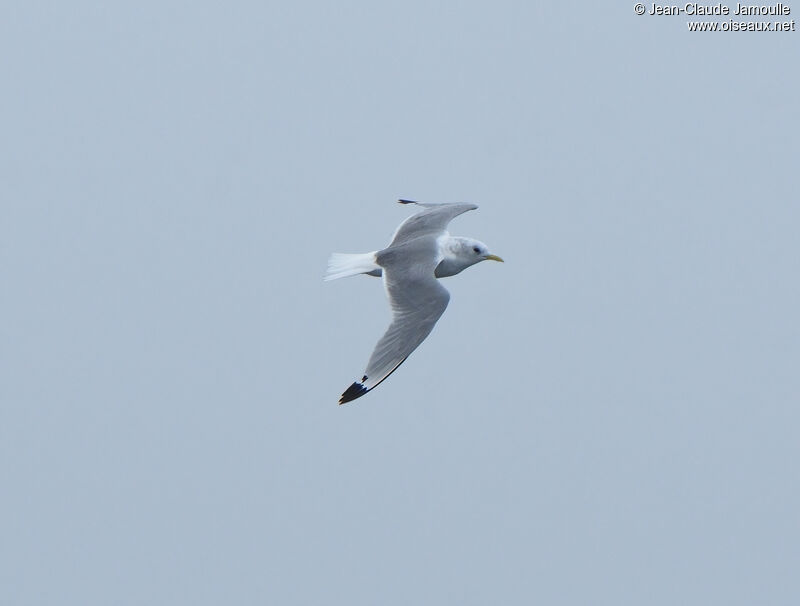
<point>341,265</point>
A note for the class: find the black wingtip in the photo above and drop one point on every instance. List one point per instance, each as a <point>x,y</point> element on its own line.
<point>356,390</point>
<point>401,201</point>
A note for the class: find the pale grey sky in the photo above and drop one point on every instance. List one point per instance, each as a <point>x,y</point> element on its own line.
<point>610,417</point>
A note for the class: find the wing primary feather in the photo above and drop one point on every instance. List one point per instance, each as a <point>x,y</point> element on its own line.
<point>357,389</point>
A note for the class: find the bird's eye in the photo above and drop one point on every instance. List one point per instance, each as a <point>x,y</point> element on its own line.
<point>476,249</point>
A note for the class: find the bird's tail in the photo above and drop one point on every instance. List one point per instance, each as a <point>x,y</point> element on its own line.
<point>341,265</point>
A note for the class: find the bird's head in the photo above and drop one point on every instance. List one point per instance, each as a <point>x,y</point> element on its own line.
<point>474,251</point>
<point>460,253</point>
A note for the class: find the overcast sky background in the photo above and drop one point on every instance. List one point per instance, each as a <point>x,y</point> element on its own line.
<point>610,417</point>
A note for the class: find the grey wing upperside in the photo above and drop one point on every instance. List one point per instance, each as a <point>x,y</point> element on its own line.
<point>417,299</point>
<point>432,220</point>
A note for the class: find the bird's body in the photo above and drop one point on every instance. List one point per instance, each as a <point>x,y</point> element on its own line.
<point>421,251</point>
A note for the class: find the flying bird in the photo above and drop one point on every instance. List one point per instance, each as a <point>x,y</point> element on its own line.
<point>421,251</point>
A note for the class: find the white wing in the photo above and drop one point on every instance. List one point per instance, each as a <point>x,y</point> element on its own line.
<point>417,299</point>
<point>431,221</point>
